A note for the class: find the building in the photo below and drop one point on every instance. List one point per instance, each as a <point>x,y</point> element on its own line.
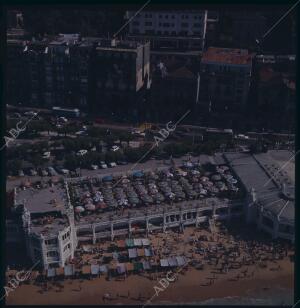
<point>49,219</point>
<point>43,220</point>
<point>120,72</point>
<point>225,78</point>
<point>271,204</point>
<point>175,30</point>
<point>173,91</point>
<point>240,29</point>
<point>93,74</point>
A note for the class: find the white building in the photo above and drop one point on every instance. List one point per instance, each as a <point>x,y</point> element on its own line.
<point>170,24</point>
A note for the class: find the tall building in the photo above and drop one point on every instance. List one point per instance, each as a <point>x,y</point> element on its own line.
<point>225,78</point>
<point>120,74</point>
<point>183,30</point>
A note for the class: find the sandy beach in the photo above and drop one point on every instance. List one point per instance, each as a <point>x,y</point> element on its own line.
<point>191,285</point>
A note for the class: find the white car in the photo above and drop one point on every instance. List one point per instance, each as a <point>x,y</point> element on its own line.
<point>115,148</point>
<point>63,119</point>
<point>82,152</point>
<point>94,167</point>
<point>103,166</point>
<point>112,164</point>
<point>65,171</point>
<point>30,113</point>
<point>46,154</point>
<point>81,132</point>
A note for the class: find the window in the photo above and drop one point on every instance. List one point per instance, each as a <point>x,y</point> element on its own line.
<point>184,25</point>
<point>52,254</point>
<point>197,25</point>
<point>135,23</point>
<point>173,17</point>
<point>148,23</point>
<point>51,242</point>
<point>166,16</point>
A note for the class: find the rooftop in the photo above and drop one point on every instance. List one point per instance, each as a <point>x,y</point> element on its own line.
<point>44,200</point>
<point>256,172</point>
<point>227,56</point>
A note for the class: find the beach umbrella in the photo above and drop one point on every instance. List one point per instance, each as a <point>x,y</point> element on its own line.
<point>79,209</point>
<point>107,178</point>
<point>90,207</point>
<point>138,174</point>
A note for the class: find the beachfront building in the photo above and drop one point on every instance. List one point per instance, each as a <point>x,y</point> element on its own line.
<point>271,202</point>
<point>53,219</point>
<point>44,220</point>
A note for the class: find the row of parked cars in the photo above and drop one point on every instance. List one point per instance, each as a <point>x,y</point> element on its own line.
<point>104,165</point>
<point>49,171</point>
<point>56,170</point>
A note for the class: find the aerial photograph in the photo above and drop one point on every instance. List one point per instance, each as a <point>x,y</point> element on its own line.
<point>150,154</point>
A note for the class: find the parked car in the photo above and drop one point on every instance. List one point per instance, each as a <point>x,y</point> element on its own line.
<point>115,148</point>
<point>65,171</point>
<point>20,173</point>
<point>52,171</point>
<point>112,164</point>
<point>122,163</point>
<point>43,172</point>
<point>82,152</point>
<point>103,166</point>
<point>94,167</point>
<point>46,155</point>
<point>33,172</point>
<point>58,169</point>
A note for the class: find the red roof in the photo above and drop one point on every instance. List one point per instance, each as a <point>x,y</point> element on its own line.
<point>227,56</point>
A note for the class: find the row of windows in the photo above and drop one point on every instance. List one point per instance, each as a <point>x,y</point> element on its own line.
<point>51,242</point>
<point>166,24</point>
<point>66,235</point>
<point>166,16</point>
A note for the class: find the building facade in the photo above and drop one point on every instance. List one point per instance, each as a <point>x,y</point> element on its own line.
<point>225,78</point>
<point>169,29</point>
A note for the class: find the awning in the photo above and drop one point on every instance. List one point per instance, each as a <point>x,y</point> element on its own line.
<point>51,272</point>
<point>138,266</point>
<point>146,242</point>
<point>129,266</point>
<point>141,252</point>
<point>129,243</point>
<point>181,261</point>
<point>137,242</point>
<point>146,265</point>
<point>103,269</point>
<point>172,261</point>
<point>86,269</point>
<point>69,270</point>
<point>59,271</point>
<point>164,263</point>
<point>148,252</point>
<point>132,253</point>
<point>121,268</point>
<point>95,269</point>
<point>121,244</point>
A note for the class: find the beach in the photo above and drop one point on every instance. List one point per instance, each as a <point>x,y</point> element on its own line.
<point>191,286</point>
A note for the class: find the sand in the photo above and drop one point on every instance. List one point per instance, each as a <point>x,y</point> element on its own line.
<point>190,287</point>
